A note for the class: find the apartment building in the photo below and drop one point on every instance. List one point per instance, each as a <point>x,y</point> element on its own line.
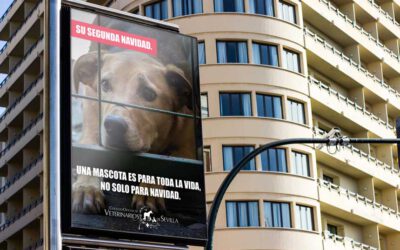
<point>21,125</point>
<point>270,69</point>
<point>273,69</point>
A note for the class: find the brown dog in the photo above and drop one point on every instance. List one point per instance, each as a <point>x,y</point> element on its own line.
<point>138,79</point>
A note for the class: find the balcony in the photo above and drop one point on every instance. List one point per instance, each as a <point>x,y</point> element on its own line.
<point>20,32</point>
<point>359,160</point>
<point>25,62</point>
<point>355,206</point>
<point>379,14</point>
<point>21,102</point>
<point>341,105</point>
<point>21,219</point>
<point>19,180</point>
<point>348,26</point>
<point>20,140</point>
<point>37,245</point>
<point>7,11</point>
<point>336,242</point>
<point>337,59</point>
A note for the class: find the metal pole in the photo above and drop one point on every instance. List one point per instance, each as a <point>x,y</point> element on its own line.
<point>236,169</point>
<point>54,120</point>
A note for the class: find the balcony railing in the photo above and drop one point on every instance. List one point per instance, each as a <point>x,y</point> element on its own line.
<point>20,27</point>
<point>359,28</point>
<point>7,10</point>
<point>18,100</point>
<point>346,241</point>
<point>23,212</point>
<point>357,198</point>
<point>18,176</point>
<point>318,132</point>
<point>21,61</point>
<point>35,245</point>
<point>20,135</point>
<point>351,62</point>
<point>349,102</point>
<point>383,12</point>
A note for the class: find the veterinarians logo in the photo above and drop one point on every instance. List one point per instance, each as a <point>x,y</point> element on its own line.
<point>147,219</point>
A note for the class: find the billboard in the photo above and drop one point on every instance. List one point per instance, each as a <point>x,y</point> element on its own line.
<point>131,130</point>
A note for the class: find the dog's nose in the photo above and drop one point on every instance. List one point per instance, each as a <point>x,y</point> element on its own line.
<point>115,125</point>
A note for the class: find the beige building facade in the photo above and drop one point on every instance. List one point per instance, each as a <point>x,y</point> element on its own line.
<point>269,70</point>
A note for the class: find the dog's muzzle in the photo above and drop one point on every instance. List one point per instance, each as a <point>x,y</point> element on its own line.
<point>115,127</point>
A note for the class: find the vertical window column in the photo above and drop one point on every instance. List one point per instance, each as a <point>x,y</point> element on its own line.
<point>304,218</point>
<point>229,6</point>
<point>232,52</point>
<point>242,214</point>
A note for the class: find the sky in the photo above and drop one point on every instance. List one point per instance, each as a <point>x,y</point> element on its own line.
<point>3,7</point>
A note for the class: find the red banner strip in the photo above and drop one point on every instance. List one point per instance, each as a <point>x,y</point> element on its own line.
<point>113,37</point>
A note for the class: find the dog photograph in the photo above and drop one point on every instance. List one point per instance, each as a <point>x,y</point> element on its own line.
<point>133,111</point>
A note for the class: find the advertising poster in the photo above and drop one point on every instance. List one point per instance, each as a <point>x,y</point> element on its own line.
<point>135,152</point>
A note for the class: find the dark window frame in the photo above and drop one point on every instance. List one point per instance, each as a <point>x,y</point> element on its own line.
<point>261,54</point>
<point>267,168</point>
<point>264,96</point>
<point>289,100</point>
<point>281,218</point>
<point>243,147</point>
<point>294,9</point>
<point>237,52</point>
<point>183,6</point>
<point>231,103</point>
<point>264,11</point>
<point>308,161</point>
<point>247,212</point>
<point>152,4</point>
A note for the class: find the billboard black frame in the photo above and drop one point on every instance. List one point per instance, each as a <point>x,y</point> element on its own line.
<point>65,128</point>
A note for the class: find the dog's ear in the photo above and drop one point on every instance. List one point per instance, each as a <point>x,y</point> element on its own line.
<point>86,70</point>
<point>177,81</point>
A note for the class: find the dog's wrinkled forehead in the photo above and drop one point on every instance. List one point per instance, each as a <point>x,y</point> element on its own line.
<point>135,71</point>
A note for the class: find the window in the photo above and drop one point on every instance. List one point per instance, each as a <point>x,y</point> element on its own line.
<point>207,158</point>
<point>233,154</point>
<point>332,229</point>
<point>228,6</point>
<point>204,105</point>
<point>157,10</point>
<point>300,164</point>
<point>201,52</point>
<point>265,54</point>
<point>287,12</point>
<point>242,214</point>
<point>269,106</point>
<point>304,218</point>
<point>291,60</point>
<point>277,214</point>
<point>187,7</point>
<point>232,52</point>
<point>235,104</point>
<point>327,178</point>
<point>274,160</point>
<point>296,112</point>
<point>262,7</point>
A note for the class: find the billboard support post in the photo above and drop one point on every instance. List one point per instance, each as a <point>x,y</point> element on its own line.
<point>54,121</point>
<point>335,140</point>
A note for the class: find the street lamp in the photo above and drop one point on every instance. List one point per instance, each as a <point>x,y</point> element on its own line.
<point>333,138</point>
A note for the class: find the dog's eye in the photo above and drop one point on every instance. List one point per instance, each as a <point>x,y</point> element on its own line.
<point>147,93</point>
<point>105,85</point>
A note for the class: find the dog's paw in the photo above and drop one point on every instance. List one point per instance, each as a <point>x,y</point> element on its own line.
<point>154,204</point>
<point>88,200</point>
